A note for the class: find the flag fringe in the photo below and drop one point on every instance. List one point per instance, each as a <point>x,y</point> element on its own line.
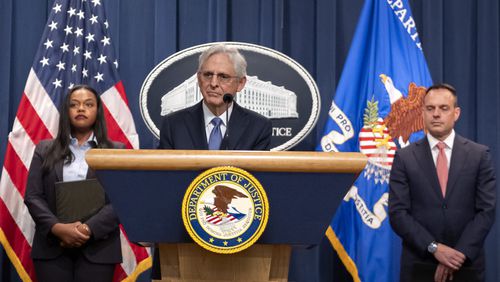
<point>144,265</point>
<point>344,257</point>
<point>13,258</point>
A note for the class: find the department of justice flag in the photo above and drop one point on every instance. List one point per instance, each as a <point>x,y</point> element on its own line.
<point>76,48</point>
<point>376,110</point>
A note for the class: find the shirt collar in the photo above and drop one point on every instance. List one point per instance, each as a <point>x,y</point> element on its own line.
<point>208,115</point>
<point>448,141</point>
<point>73,141</point>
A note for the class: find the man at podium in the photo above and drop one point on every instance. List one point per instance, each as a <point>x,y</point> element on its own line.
<point>217,122</point>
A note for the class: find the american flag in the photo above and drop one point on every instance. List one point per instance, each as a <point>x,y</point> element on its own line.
<point>76,48</point>
<point>222,219</point>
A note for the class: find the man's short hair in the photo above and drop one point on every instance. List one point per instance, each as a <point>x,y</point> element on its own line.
<point>239,62</point>
<point>445,86</point>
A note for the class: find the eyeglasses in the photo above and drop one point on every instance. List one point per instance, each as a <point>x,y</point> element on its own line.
<point>221,77</point>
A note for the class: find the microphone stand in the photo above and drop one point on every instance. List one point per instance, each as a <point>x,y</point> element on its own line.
<point>227,98</point>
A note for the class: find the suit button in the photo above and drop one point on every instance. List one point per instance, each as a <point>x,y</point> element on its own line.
<point>445,207</point>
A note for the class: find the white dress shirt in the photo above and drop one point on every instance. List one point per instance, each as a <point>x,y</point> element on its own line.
<point>77,169</point>
<point>208,116</point>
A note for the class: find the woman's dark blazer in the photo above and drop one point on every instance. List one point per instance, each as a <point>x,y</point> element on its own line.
<point>104,244</point>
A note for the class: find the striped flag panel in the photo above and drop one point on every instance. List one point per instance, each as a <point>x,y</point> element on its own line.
<point>76,48</point>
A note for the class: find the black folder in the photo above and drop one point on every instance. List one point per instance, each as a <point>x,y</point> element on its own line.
<point>78,200</point>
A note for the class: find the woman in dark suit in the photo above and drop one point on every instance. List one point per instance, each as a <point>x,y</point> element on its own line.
<point>76,251</point>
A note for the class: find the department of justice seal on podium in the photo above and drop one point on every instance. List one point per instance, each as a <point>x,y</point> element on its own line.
<point>225,210</point>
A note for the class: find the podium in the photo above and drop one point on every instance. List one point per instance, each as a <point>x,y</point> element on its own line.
<point>146,188</point>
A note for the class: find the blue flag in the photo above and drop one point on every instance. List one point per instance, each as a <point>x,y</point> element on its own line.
<point>377,108</point>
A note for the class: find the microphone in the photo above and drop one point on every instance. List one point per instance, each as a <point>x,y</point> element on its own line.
<point>227,98</point>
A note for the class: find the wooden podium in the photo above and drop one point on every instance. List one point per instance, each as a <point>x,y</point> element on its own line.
<point>146,188</point>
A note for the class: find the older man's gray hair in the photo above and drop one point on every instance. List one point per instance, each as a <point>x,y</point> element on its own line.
<point>239,62</point>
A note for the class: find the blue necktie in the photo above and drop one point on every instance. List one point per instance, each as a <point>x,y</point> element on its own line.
<point>216,135</point>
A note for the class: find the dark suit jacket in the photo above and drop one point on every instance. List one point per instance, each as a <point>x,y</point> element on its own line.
<point>104,244</point>
<point>185,129</point>
<point>419,214</point>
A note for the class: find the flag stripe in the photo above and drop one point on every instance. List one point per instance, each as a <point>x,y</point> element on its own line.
<point>128,263</point>
<point>31,122</point>
<point>375,147</point>
<point>121,90</point>
<point>21,143</point>
<point>42,103</point>
<point>121,114</point>
<point>16,240</point>
<point>115,132</point>
<point>16,169</point>
<point>367,139</point>
<point>141,253</point>
<point>120,274</point>
<point>14,203</point>
<point>380,155</point>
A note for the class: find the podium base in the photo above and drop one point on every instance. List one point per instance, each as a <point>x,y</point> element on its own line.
<point>190,262</point>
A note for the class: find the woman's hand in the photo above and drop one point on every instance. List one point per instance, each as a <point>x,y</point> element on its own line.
<point>84,228</point>
<point>72,235</point>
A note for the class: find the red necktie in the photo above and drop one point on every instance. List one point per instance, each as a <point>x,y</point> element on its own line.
<point>442,167</point>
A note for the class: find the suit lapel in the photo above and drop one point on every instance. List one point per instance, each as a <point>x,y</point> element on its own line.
<point>197,128</point>
<point>423,156</point>
<point>458,159</point>
<point>237,125</point>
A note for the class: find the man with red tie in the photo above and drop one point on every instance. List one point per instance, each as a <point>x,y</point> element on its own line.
<point>442,197</point>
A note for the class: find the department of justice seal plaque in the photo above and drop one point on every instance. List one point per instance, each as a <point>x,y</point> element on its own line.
<point>225,210</point>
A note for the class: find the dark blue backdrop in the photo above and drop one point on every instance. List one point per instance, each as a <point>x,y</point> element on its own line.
<point>460,40</point>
